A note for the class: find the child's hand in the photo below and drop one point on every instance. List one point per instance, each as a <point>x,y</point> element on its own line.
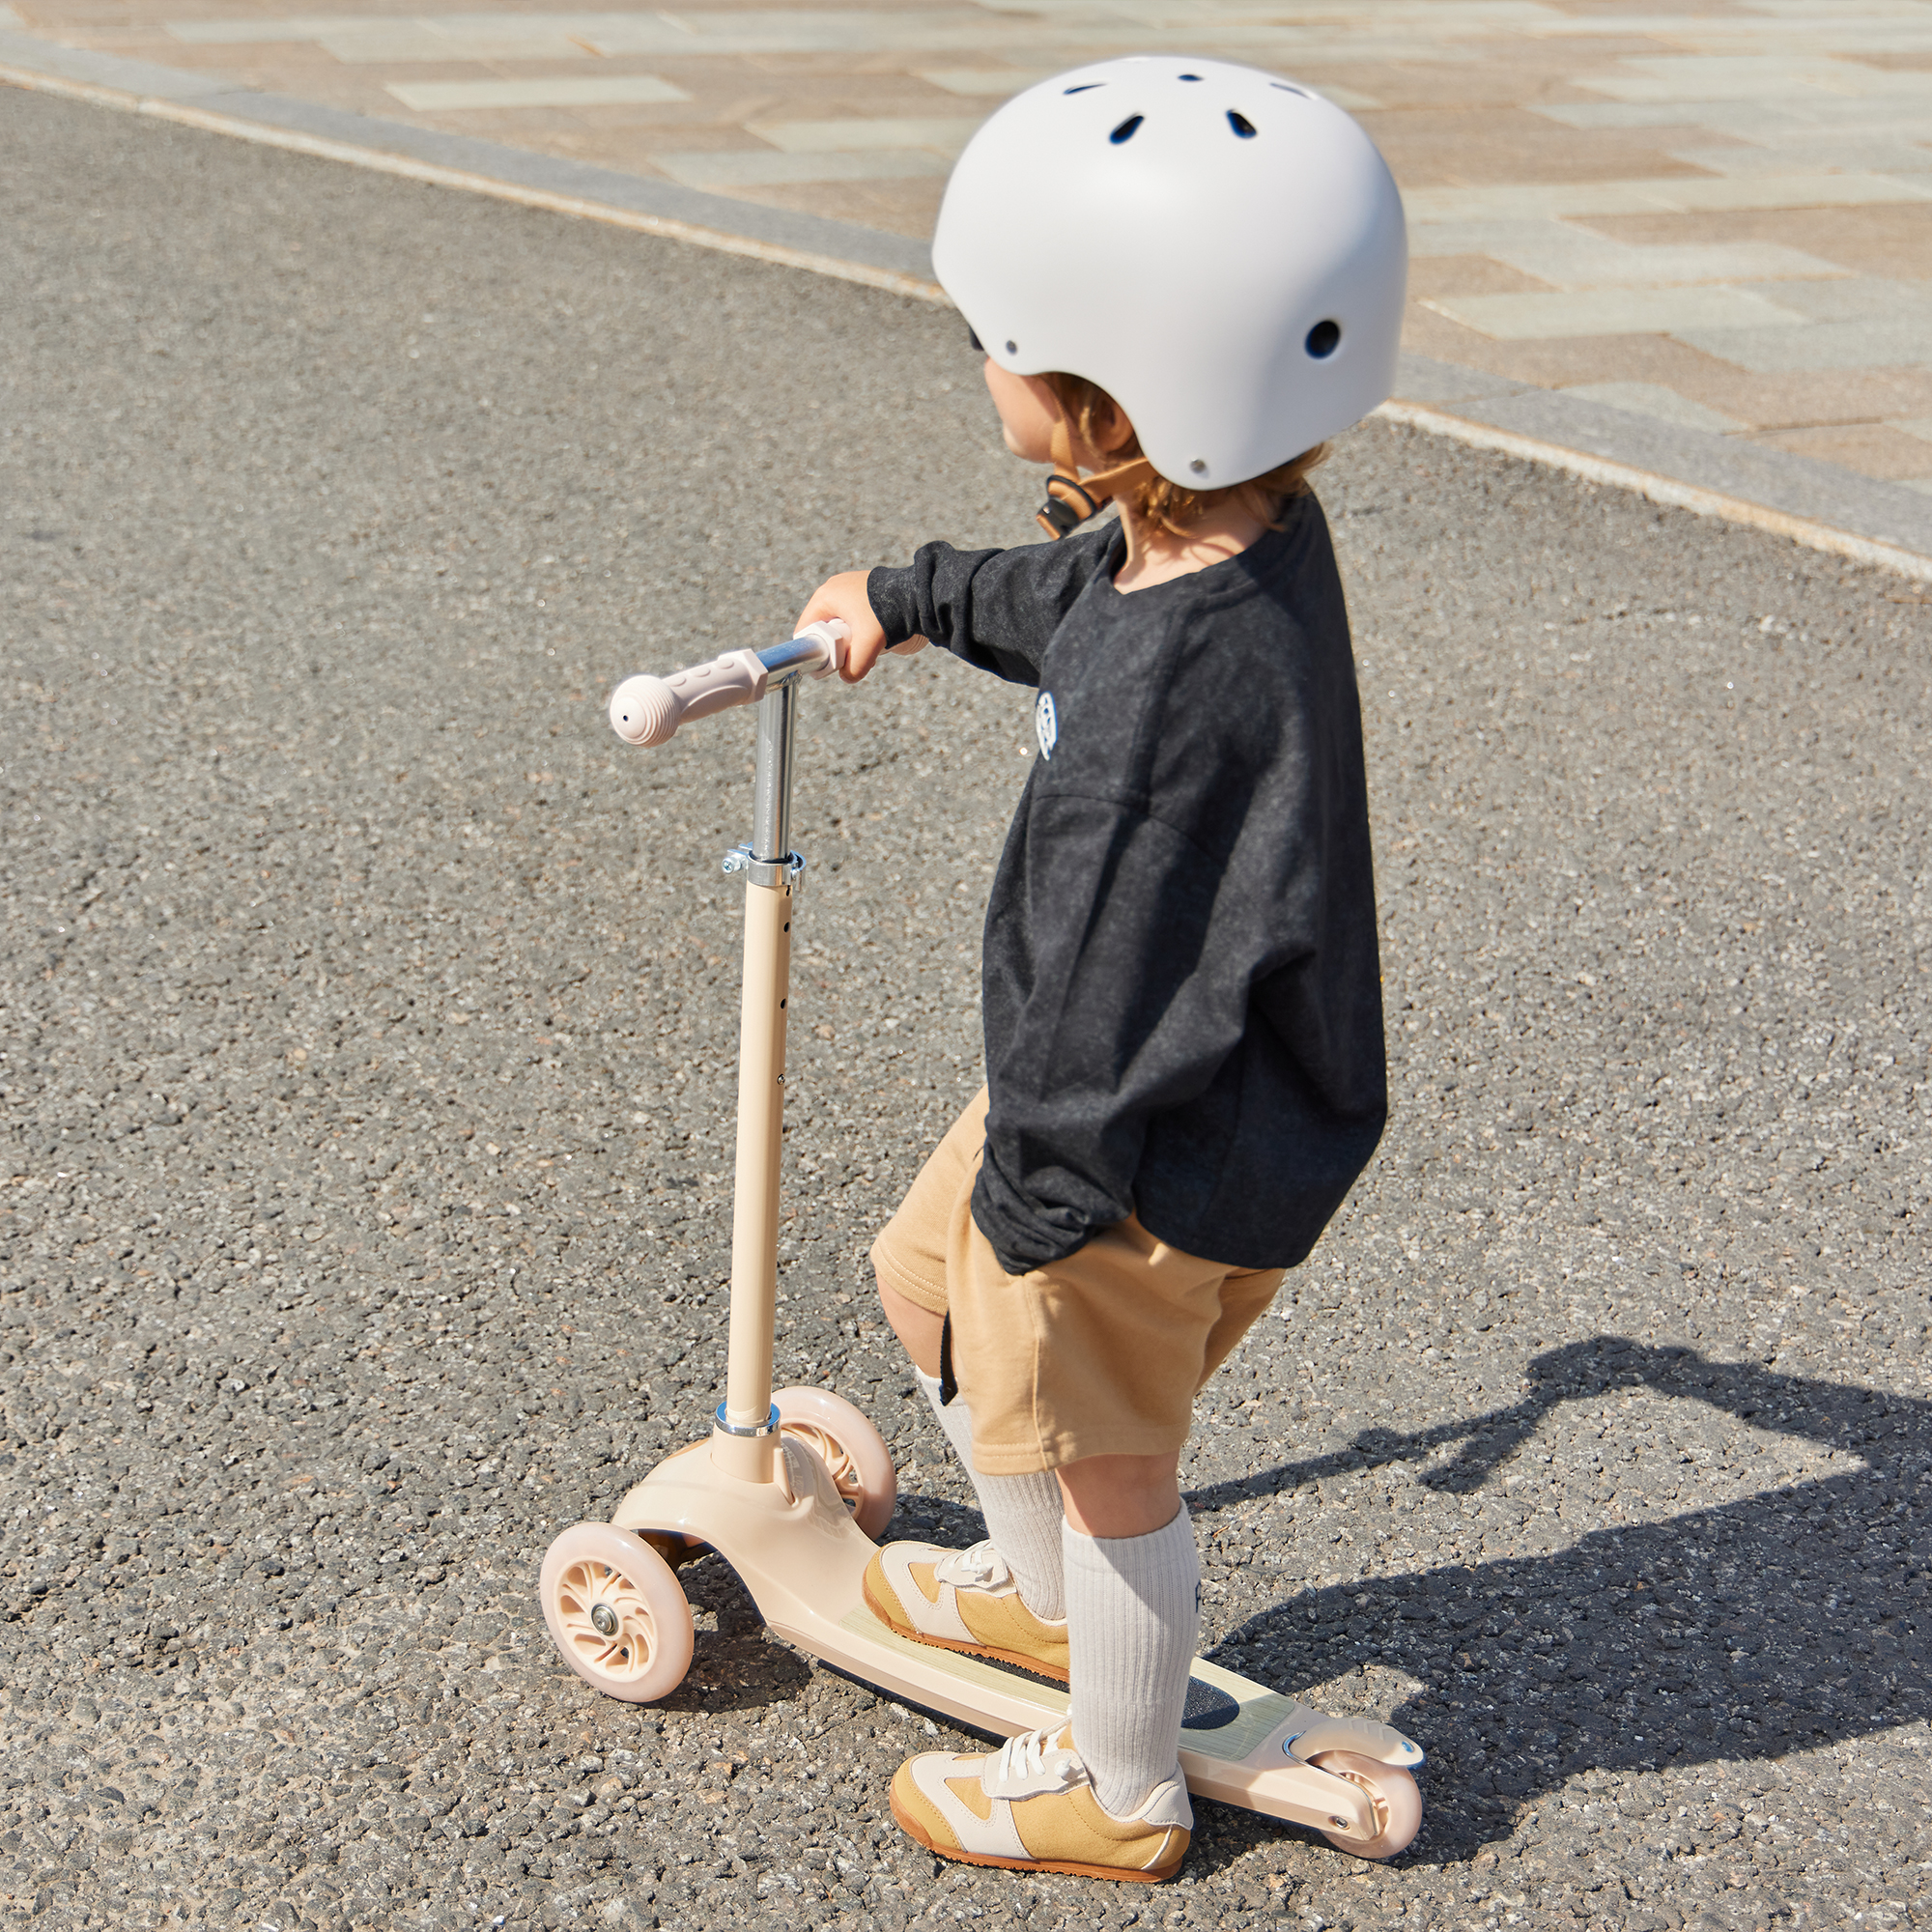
<point>844,596</point>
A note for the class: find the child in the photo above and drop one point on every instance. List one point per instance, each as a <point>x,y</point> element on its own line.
<point>1185,274</point>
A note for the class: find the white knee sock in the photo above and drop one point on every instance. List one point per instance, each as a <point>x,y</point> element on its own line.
<point>1023,1513</point>
<point>1133,1612</point>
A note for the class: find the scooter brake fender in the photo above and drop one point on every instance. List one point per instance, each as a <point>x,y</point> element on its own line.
<point>1363,1736</point>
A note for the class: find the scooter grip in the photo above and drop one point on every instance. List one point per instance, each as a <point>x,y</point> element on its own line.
<point>647,710</point>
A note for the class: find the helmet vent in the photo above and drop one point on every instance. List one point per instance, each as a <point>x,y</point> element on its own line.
<point>1085,87</point>
<point>1126,129</point>
<point>1300,93</point>
<point>1187,76</point>
<point>1323,338</point>
<point>1242,125</point>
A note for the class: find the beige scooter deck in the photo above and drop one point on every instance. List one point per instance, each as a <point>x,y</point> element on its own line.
<point>796,1549</point>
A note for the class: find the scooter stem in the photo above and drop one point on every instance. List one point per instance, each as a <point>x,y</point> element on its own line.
<point>745,1437</point>
<point>647,711</point>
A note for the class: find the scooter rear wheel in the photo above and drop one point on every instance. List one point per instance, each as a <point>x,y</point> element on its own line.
<point>1392,1791</point>
<point>849,1446</point>
<point>615,1612</point>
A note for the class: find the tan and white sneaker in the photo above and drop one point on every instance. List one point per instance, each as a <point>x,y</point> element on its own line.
<point>1031,1806</point>
<point>962,1599</point>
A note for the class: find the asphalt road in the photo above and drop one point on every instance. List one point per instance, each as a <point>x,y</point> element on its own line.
<point>368,1019</point>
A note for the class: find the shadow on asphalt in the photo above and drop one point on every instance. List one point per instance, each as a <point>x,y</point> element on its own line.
<point>734,1665</point>
<point>1745,1630</point>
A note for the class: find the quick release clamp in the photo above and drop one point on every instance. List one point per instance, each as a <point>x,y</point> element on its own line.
<point>742,862</point>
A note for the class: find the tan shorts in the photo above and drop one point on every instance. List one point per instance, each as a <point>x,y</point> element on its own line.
<point>1100,1354</point>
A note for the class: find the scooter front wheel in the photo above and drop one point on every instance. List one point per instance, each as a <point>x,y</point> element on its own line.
<point>1391,1790</point>
<point>849,1446</point>
<point>615,1612</point>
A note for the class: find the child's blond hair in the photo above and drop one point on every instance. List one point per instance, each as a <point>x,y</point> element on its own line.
<point>1170,507</point>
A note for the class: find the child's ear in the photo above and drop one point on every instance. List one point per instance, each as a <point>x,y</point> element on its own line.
<point>1113,429</point>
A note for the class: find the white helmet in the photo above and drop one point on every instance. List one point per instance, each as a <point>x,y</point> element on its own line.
<point>1220,251</point>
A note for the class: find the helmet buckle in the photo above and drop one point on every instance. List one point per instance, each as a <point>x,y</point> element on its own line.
<point>1067,507</point>
<point>1070,502</point>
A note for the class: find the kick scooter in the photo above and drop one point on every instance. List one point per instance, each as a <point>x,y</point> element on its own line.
<point>790,1489</point>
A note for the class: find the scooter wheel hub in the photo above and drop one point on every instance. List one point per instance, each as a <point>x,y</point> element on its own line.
<point>615,1612</point>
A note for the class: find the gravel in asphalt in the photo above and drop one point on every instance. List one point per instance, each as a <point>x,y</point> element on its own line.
<point>368,1032</point>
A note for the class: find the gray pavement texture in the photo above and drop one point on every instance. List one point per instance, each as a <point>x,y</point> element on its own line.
<point>368,1020</point>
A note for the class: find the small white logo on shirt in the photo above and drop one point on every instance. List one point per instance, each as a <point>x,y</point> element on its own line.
<point>1045,723</point>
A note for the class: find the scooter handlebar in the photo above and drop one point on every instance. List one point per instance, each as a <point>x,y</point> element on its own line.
<point>647,710</point>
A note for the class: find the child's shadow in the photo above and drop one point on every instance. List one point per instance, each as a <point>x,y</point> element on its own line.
<point>1746,1630</point>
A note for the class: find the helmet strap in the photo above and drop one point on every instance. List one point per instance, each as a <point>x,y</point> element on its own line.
<point>1070,499</point>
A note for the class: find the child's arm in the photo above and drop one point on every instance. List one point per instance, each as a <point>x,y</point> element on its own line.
<point>997,608</point>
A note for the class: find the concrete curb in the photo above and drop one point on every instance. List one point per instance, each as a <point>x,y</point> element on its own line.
<point>1664,489</point>
<point>1820,505</point>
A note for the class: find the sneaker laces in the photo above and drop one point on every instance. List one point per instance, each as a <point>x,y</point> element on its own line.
<point>1025,1757</point>
<point>981,1568</point>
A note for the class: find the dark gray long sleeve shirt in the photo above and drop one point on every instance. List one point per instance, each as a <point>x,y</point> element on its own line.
<point>1183,997</point>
